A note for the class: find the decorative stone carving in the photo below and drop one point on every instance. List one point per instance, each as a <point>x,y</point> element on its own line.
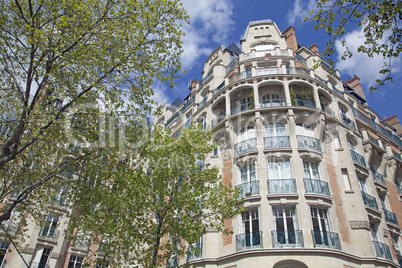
<point>327,139</point>
<point>225,144</point>
<point>311,156</point>
<point>367,148</point>
<point>278,155</point>
<point>245,159</point>
<point>360,225</point>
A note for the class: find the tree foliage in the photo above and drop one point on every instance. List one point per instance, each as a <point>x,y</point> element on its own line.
<point>380,21</point>
<point>58,60</point>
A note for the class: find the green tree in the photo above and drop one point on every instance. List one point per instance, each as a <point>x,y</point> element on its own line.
<point>158,203</point>
<point>58,60</point>
<point>380,21</point>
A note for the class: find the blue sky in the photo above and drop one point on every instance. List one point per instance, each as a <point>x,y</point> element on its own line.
<point>216,22</point>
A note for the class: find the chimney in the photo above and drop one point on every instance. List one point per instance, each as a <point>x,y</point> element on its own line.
<point>314,49</point>
<point>193,85</point>
<point>354,83</point>
<point>394,122</point>
<point>291,38</point>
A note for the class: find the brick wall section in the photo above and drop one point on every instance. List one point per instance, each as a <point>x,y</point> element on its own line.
<point>336,197</point>
<point>395,203</point>
<point>226,180</point>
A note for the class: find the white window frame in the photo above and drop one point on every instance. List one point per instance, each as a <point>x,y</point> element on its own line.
<point>246,133</point>
<point>311,170</point>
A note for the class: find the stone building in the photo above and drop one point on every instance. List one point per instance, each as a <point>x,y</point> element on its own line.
<point>320,172</point>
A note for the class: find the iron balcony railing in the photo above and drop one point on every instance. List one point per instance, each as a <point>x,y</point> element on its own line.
<point>249,188</point>
<point>378,177</point>
<point>195,253</point>
<point>320,79</point>
<point>231,65</point>
<point>326,66</point>
<point>245,146</point>
<point>188,103</point>
<point>242,107</point>
<point>390,217</point>
<point>399,259</point>
<point>39,265</point>
<point>301,59</point>
<point>202,103</point>
<point>248,241</point>
<point>316,186</point>
<point>218,119</point>
<point>347,121</point>
<point>188,123</point>
<point>305,103</point>
<point>237,76</point>
<point>358,158</point>
<point>324,239</point>
<point>382,250</point>
<point>308,142</point>
<point>272,102</point>
<point>369,200</point>
<point>329,111</point>
<point>373,140</point>
<point>216,90</point>
<point>397,155</point>
<point>338,92</point>
<point>287,239</point>
<point>298,71</point>
<point>46,233</point>
<point>206,78</point>
<point>277,142</point>
<point>268,71</point>
<point>282,186</point>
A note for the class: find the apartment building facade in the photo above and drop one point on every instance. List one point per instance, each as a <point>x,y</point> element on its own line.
<point>319,171</point>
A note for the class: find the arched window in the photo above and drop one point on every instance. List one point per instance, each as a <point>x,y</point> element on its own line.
<point>246,133</point>
<point>275,129</point>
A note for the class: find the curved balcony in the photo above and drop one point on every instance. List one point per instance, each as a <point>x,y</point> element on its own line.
<point>369,200</point>
<point>218,119</point>
<point>249,188</point>
<point>248,241</point>
<point>378,177</point>
<point>276,142</point>
<point>324,239</point>
<point>245,146</point>
<point>242,107</point>
<point>308,142</point>
<point>287,239</point>
<point>390,217</point>
<point>304,102</point>
<point>316,187</point>
<point>282,186</point>
<point>382,250</point>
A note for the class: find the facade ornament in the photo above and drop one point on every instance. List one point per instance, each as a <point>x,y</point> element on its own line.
<point>360,225</point>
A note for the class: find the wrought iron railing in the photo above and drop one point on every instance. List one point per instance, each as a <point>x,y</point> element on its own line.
<point>399,257</point>
<point>218,119</point>
<point>195,253</point>
<point>281,186</point>
<point>49,233</point>
<point>329,111</point>
<point>206,78</point>
<point>316,186</point>
<point>202,103</point>
<point>338,92</point>
<point>320,79</point>
<point>382,250</point>
<point>231,65</point>
<point>268,71</point>
<point>358,158</point>
<point>305,103</point>
<point>216,90</point>
<point>324,239</point>
<point>249,188</point>
<point>237,76</point>
<point>242,107</point>
<point>188,103</point>
<point>245,146</point>
<point>188,123</point>
<point>390,217</point>
<point>287,239</point>
<point>248,241</point>
<point>369,200</point>
<point>10,226</point>
<point>276,142</point>
<point>308,142</point>
<point>378,177</point>
<point>397,155</point>
<point>301,59</point>
<point>272,102</point>
<point>373,140</point>
<point>347,121</point>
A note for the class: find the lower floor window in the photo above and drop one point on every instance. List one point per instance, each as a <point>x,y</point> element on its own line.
<point>75,261</point>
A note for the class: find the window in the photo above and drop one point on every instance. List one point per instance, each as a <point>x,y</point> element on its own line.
<point>346,179</point>
<point>319,218</point>
<point>59,198</point>
<point>101,263</point>
<point>311,170</point>
<point>396,241</point>
<point>42,257</point>
<point>280,177</point>
<point>50,226</point>
<point>246,133</point>
<point>3,251</point>
<point>337,142</point>
<point>384,202</point>
<point>352,146</point>
<point>75,261</point>
<point>363,186</point>
<point>248,182</point>
<point>374,232</point>
<point>304,130</point>
<point>285,224</point>
<point>215,153</point>
<point>275,129</point>
<point>250,228</point>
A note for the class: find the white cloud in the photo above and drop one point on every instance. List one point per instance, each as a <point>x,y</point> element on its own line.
<point>160,90</point>
<point>300,10</point>
<point>367,68</point>
<point>210,20</point>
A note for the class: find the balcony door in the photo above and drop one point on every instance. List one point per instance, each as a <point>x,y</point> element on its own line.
<point>280,177</point>
<point>246,133</point>
<point>50,225</point>
<point>311,170</point>
<point>42,257</point>
<point>319,218</point>
<point>248,179</point>
<point>285,221</point>
<point>275,129</point>
<point>250,227</point>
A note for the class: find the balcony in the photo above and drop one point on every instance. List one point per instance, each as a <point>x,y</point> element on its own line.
<point>272,102</point>
<point>358,158</point>
<point>282,186</point>
<point>323,239</point>
<point>321,80</point>
<point>399,260</point>
<point>188,103</point>
<point>268,71</point>
<point>196,253</point>
<point>248,241</point>
<point>328,111</point>
<point>237,76</point>
<point>218,119</point>
<point>397,155</point>
<point>39,265</point>
<point>316,186</point>
<point>49,234</point>
<point>276,142</point>
<point>188,123</point>
<point>301,59</point>
<point>374,141</point>
<point>216,90</point>
<point>382,250</point>
<point>347,121</point>
<point>369,200</point>
<point>206,78</point>
<point>242,107</point>
<point>298,70</point>
<point>202,103</point>
<point>309,143</point>
<point>304,102</point>
<point>378,177</point>
<point>338,92</point>
<point>231,65</point>
<point>287,239</point>
<point>245,146</point>
<point>390,217</point>
<point>249,188</point>
<point>10,227</point>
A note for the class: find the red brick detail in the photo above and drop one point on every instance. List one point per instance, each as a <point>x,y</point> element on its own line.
<point>227,239</point>
<point>336,197</point>
<point>227,172</point>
